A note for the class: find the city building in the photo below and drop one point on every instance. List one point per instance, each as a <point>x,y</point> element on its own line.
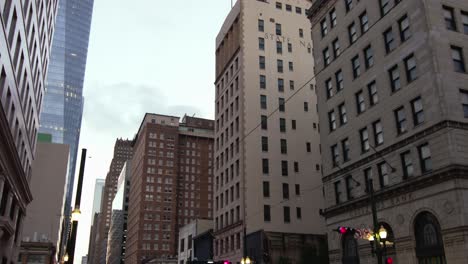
<point>84,259</point>
<point>267,153</point>
<point>187,234</point>
<point>25,41</point>
<point>122,153</point>
<point>44,218</point>
<point>63,100</point>
<point>171,184</point>
<point>94,238</point>
<point>203,246</point>
<point>37,252</point>
<point>393,103</point>
<point>98,188</point>
<point>117,236</point>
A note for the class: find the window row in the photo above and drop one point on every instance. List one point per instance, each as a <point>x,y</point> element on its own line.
<point>280,83</point>
<point>455,21</point>
<point>279,64</point>
<point>228,218</point>
<point>384,169</point>
<point>229,195</point>
<point>278,28</point>
<point>228,174</point>
<point>288,8</point>
<point>285,189</point>
<point>286,213</point>
<point>284,167</point>
<point>228,244</point>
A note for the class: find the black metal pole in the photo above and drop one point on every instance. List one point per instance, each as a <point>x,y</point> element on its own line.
<point>80,179</point>
<point>71,250</point>
<point>376,222</point>
<point>245,240</point>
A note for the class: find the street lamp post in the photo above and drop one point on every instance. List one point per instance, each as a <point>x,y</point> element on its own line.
<point>375,236</point>
<point>76,211</point>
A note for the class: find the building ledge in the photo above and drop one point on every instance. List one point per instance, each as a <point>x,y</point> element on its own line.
<point>6,227</point>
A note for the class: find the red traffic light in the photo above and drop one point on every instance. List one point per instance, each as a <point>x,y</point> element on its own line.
<point>389,260</point>
<point>342,230</point>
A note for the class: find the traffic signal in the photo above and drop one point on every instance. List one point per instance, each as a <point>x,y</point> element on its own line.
<point>345,230</point>
<point>389,260</point>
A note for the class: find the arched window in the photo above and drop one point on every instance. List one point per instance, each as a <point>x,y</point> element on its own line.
<point>350,249</point>
<point>429,244</point>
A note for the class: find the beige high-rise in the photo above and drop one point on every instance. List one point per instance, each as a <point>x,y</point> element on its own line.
<point>267,173</point>
<point>397,114</point>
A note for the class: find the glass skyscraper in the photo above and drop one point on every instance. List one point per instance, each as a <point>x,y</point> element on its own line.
<point>63,101</point>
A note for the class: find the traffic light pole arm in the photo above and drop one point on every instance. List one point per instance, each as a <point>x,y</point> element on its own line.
<point>378,250</point>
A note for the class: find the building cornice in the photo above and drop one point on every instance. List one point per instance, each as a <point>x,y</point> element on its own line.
<point>317,8</point>
<point>412,184</point>
<point>400,144</point>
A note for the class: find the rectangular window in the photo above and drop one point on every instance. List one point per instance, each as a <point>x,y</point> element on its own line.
<point>345,149</point>
<point>367,177</point>
<point>280,85</point>
<point>449,18</point>
<point>378,133</point>
<point>404,25</point>
<point>410,67</point>
<point>266,189</point>
<point>333,18</point>
<point>329,87</point>
<point>324,27</point>
<point>296,166</point>
<point>264,122</point>
<point>336,48</point>
<point>306,107</point>
<point>394,74</point>
<point>369,56</point>
<point>384,7</point>
<point>364,134</point>
<point>389,39</point>
<point>308,147</point>
<point>279,47</point>
<point>262,81</point>
<point>291,66</point>
<point>335,155</point>
<point>349,187</point>
<point>285,191</point>
<point>265,166</point>
<point>364,19</point>
<point>464,18</point>
<point>360,102</point>
<point>298,10</point>
<point>464,101</point>
<point>287,214</point>
<point>400,119</point>
<point>348,5</point>
<point>407,164</point>
<point>284,168</point>
<point>261,61</point>
<point>356,66</point>
<point>293,124</point>
<point>289,47</point>
<point>332,120</point>
<point>282,125</point>
<point>266,213</point>
<point>458,60</point>
<point>261,25</point>
<point>298,190</point>
<point>339,80</point>
<point>352,33</point>
<point>263,102</point>
<point>278,29</point>
<point>265,144</point>
<point>298,213</point>
<point>383,174</point>
<point>373,96</point>
<point>288,8</point>
<point>418,112</point>
<point>261,43</point>
<point>338,197</point>
<point>301,33</point>
<point>291,85</point>
<point>425,158</point>
<point>284,146</point>
<point>279,65</point>
<point>279,5</point>
<point>343,115</point>
<point>281,105</point>
<point>326,57</point>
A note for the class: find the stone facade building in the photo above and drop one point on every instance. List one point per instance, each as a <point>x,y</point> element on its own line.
<point>26,29</point>
<point>393,101</point>
<point>171,184</point>
<point>268,189</point>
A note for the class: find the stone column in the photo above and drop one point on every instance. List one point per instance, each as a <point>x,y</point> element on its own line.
<point>2,184</point>
<point>8,204</point>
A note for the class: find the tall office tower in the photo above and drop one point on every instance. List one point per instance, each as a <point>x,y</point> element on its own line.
<point>98,191</point>
<point>63,99</point>
<point>117,236</point>
<point>267,159</point>
<point>122,152</point>
<point>393,104</point>
<point>170,184</point>
<point>25,41</point>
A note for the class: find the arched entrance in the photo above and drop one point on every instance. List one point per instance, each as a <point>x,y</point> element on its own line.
<point>350,249</point>
<point>429,244</point>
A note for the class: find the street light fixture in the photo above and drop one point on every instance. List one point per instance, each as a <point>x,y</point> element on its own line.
<point>246,260</point>
<point>382,233</point>
<point>65,258</point>
<point>76,214</point>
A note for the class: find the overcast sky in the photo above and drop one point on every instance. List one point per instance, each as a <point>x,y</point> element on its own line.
<point>144,56</point>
